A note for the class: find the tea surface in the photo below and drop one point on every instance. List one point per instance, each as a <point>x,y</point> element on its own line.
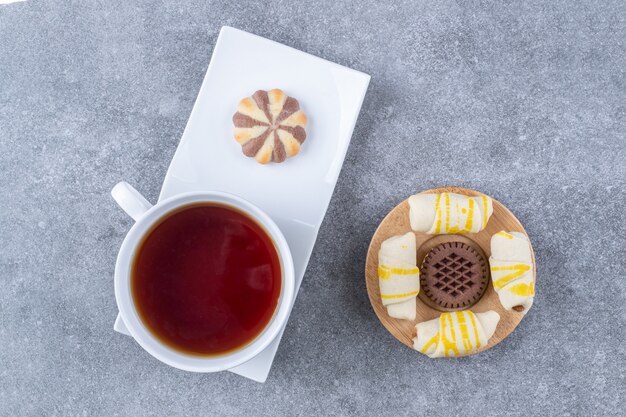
<point>206,279</point>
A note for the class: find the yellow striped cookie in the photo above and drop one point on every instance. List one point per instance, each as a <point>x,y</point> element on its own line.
<point>512,271</point>
<point>449,213</point>
<point>455,334</point>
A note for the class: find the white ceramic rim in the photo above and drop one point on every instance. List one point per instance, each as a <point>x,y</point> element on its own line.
<point>146,339</point>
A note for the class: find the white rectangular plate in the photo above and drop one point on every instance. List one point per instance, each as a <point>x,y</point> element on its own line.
<point>295,193</point>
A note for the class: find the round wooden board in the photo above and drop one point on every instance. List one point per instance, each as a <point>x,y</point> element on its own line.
<point>397,223</point>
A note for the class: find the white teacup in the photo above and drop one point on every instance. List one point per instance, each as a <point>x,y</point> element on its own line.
<point>145,215</point>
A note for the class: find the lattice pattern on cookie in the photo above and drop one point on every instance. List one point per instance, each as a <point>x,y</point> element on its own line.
<point>454,276</point>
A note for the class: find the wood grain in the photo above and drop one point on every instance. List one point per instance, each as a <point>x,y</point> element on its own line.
<point>396,223</point>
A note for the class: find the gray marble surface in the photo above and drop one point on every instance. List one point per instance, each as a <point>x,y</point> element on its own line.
<point>525,101</point>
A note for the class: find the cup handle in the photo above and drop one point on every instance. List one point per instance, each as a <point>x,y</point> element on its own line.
<point>129,199</point>
<point>135,205</point>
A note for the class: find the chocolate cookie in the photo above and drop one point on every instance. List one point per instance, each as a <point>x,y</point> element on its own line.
<point>454,276</point>
<point>269,126</point>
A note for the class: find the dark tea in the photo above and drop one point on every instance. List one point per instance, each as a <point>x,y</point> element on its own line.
<point>206,279</point>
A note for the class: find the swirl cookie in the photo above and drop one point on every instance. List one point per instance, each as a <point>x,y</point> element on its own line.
<point>269,126</point>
